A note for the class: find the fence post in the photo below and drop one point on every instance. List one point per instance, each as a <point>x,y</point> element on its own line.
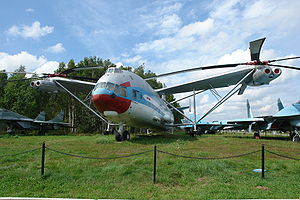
<point>262,161</point>
<point>43,159</point>
<point>154,167</point>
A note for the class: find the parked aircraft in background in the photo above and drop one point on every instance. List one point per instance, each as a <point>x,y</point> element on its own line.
<point>234,124</point>
<point>17,121</point>
<point>286,119</point>
<point>125,98</point>
<point>202,126</point>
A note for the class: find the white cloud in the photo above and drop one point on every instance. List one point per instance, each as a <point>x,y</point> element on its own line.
<point>136,60</point>
<point>185,38</point>
<point>34,31</point>
<point>58,48</point>
<point>29,10</point>
<point>163,19</point>
<point>170,24</point>
<point>197,28</point>
<point>32,63</point>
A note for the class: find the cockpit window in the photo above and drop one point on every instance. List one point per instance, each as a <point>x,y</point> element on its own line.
<point>101,85</point>
<point>110,70</point>
<point>117,70</point>
<point>134,94</point>
<point>122,91</point>
<point>110,86</point>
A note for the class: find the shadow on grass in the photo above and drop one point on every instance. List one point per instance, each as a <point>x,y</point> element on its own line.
<point>161,138</point>
<point>284,138</point>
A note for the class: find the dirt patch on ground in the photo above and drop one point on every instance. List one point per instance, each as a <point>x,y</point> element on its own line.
<point>262,187</point>
<point>204,180</point>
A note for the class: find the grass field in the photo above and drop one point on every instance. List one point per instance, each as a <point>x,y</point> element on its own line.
<point>131,178</point>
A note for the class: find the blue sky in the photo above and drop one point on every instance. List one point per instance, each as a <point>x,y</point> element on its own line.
<point>164,35</point>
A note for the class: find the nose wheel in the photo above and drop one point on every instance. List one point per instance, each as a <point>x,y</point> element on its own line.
<point>121,134</point>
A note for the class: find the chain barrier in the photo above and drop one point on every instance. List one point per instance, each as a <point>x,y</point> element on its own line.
<point>23,152</point>
<point>87,157</point>
<point>209,158</point>
<point>283,156</point>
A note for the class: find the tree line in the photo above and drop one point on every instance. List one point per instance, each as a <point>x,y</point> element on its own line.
<point>17,96</point>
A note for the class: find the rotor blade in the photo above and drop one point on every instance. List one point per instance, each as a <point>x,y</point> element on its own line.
<point>196,68</point>
<point>17,72</point>
<point>83,78</point>
<point>79,68</point>
<point>16,80</point>
<point>255,47</point>
<point>290,58</point>
<point>285,66</point>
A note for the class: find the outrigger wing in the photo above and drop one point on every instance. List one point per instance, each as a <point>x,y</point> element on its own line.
<point>216,81</point>
<point>75,85</point>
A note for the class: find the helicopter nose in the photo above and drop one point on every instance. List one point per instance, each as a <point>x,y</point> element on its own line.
<point>110,102</point>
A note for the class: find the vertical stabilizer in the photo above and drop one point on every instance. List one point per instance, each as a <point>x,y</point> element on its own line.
<point>249,111</point>
<point>279,105</point>
<point>41,116</point>
<point>255,47</point>
<point>59,117</point>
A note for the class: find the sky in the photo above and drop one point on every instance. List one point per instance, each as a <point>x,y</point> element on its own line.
<point>164,36</point>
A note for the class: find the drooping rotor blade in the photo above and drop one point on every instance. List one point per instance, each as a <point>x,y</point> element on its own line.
<point>255,47</point>
<point>290,58</point>
<point>83,78</point>
<point>196,68</point>
<point>1,72</point>
<point>285,66</point>
<point>79,68</point>
<point>16,80</point>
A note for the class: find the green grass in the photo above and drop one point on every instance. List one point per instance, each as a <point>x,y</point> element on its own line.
<point>131,178</point>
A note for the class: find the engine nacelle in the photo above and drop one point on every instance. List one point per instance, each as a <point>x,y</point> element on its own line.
<point>45,86</point>
<point>264,75</point>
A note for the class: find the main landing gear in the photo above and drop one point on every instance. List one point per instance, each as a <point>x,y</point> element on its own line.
<point>193,132</point>
<point>121,134</point>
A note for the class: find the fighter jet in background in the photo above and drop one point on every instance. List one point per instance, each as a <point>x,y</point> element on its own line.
<point>17,121</point>
<point>286,119</point>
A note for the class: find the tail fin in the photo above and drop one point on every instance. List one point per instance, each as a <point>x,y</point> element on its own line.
<point>59,117</point>
<point>249,111</point>
<point>279,105</point>
<point>41,116</point>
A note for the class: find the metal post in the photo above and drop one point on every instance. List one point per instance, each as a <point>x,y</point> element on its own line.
<point>154,167</point>
<point>195,112</point>
<point>262,161</point>
<point>43,159</point>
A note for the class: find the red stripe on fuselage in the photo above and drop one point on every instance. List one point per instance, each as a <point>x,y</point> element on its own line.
<point>104,102</point>
<point>126,84</point>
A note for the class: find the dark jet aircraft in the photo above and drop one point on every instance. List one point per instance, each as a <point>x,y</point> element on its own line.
<point>17,121</point>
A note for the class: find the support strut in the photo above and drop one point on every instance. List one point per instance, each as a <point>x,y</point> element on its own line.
<point>228,95</point>
<point>73,95</point>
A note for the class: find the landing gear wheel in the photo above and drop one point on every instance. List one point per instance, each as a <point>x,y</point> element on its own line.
<point>126,135</point>
<point>106,132</point>
<point>192,133</point>
<point>118,137</point>
<point>256,135</point>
